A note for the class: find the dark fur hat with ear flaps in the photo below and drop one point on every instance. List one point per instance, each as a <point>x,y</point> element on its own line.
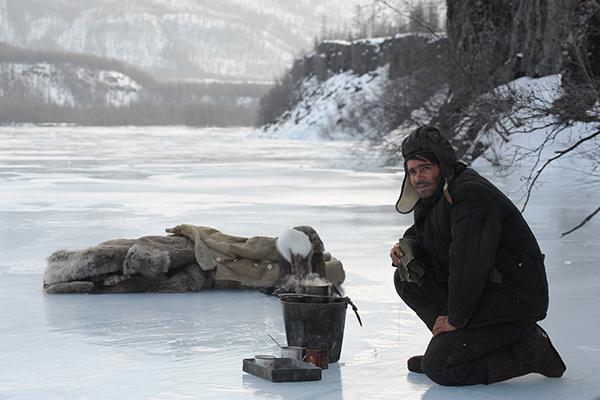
<point>426,139</point>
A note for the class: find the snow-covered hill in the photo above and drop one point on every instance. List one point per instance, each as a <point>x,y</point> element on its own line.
<point>69,85</point>
<point>330,109</point>
<point>351,89</point>
<point>49,86</point>
<point>347,105</point>
<point>181,39</point>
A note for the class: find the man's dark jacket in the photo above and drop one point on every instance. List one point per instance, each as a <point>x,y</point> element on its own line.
<point>475,239</point>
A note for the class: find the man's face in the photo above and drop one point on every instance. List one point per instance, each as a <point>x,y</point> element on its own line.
<point>424,176</point>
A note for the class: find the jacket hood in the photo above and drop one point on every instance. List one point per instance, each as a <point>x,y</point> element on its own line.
<point>426,139</point>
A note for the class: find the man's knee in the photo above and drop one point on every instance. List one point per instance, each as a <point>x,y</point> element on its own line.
<point>405,289</point>
<point>398,283</point>
<point>446,363</point>
<point>434,363</point>
<point>437,368</point>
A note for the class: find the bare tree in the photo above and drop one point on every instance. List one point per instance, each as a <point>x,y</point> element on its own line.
<point>577,104</point>
<point>477,108</point>
<point>418,19</point>
<point>433,17</point>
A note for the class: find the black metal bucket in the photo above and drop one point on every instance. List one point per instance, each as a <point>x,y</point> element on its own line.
<point>315,322</point>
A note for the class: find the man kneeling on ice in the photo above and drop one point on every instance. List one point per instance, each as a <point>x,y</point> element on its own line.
<point>193,258</point>
<point>471,269</point>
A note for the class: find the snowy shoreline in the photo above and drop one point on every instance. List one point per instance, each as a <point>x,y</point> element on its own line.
<point>70,187</point>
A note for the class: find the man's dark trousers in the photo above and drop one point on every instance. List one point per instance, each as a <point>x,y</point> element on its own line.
<point>456,358</point>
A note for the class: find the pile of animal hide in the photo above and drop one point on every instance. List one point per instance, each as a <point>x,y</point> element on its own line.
<point>192,258</point>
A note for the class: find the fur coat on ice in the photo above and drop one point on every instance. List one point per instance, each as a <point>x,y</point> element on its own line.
<point>192,258</point>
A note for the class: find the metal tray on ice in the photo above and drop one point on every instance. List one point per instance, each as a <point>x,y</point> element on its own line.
<point>285,370</point>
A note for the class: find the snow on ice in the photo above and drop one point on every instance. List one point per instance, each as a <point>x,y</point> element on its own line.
<point>75,187</point>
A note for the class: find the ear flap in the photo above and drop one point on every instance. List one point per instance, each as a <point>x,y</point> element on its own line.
<point>447,194</point>
<point>408,197</point>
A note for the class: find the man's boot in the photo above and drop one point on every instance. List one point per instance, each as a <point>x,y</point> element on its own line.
<point>415,364</point>
<point>533,354</point>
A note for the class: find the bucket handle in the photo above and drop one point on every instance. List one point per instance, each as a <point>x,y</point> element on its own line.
<point>354,308</point>
<point>347,301</point>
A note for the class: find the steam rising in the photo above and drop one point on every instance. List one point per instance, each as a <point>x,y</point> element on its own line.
<point>296,284</point>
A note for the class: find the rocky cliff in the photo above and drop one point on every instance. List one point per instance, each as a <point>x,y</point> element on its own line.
<point>404,53</point>
<point>503,40</point>
<point>408,66</point>
<point>440,80</point>
<point>506,39</point>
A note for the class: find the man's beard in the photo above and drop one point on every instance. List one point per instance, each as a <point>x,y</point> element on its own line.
<point>425,189</point>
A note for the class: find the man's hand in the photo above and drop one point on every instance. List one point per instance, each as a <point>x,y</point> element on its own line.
<point>395,254</point>
<point>442,325</point>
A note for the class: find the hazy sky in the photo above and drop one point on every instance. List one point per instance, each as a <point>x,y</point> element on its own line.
<point>188,39</point>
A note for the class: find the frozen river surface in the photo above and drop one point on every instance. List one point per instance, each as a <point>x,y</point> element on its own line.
<point>71,188</point>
